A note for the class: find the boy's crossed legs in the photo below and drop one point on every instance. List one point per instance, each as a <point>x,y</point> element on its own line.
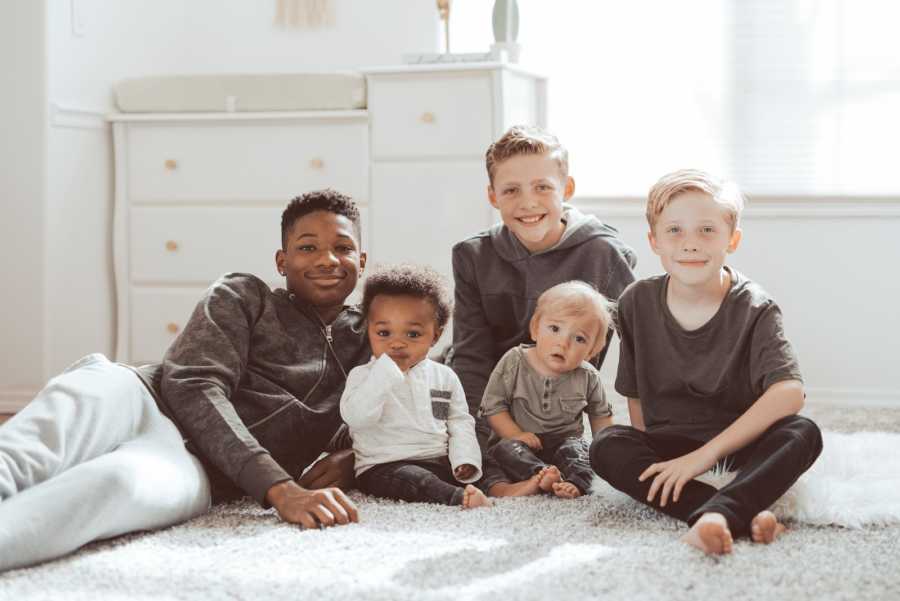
<point>424,480</point>
<point>767,469</point>
<point>561,467</point>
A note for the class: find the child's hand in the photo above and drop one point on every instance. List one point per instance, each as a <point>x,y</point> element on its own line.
<point>672,475</point>
<point>531,439</point>
<point>464,471</point>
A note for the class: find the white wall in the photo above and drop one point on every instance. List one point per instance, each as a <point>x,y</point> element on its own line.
<point>55,252</point>
<point>830,265</point>
<point>23,124</point>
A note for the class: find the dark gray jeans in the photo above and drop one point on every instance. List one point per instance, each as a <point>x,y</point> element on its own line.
<point>767,467</point>
<point>569,454</point>
<point>423,480</point>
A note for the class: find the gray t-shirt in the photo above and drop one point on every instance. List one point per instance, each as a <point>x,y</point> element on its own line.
<point>697,382</point>
<point>541,404</point>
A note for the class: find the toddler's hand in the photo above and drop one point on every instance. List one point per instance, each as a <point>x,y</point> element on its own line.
<point>464,471</point>
<point>531,439</point>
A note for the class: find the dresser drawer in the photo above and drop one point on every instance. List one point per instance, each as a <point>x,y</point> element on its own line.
<point>447,115</point>
<point>157,316</point>
<point>198,244</point>
<point>235,161</point>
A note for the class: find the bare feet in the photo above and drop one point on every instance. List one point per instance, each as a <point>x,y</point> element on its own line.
<point>547,477</point>
<point>765,527</point>
<point>473,497</point>
<point>566,490</point>
<point>516,489</point>
<point>710,534</point>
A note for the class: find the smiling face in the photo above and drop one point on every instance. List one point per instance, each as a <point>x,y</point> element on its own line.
<point>402,326</point>
<point>528,190</point>
<point>692,238</point>
<point>321,261</point>
<point>562,342</point>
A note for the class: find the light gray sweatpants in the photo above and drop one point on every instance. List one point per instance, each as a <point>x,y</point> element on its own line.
<point>91,457</point>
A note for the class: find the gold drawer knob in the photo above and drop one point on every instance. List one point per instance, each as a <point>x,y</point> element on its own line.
<point>427,118</point>
<point>172,327</point>
<point>171,245</point>
<point>317,163</point>
<point>171,164</point>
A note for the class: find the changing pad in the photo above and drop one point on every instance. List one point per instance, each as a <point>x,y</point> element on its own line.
<point>244,93</point>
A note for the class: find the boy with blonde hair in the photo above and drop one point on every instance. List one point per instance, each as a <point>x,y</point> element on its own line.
<point>537,394</point>
<point>709,375</point>
<point>500,273</point>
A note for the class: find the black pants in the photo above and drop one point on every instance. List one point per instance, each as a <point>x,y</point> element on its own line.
<point>569,454</point>
<point>766,468</point>
<point>423,480</point>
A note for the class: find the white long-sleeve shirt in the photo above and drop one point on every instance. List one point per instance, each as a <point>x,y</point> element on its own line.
<point>421,414</point>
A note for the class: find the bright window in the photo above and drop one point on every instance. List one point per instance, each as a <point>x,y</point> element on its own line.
<point>787,97</point>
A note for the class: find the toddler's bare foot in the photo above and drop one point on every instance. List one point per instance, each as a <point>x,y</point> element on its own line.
<point>566,490</point>
<point>516,489</point>
<point>710,534</point>
<point>547,477</point>
<point>472,497</point>
<point>765,527</point>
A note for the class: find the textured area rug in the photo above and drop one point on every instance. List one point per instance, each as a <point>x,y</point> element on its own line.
<point>602,546</point>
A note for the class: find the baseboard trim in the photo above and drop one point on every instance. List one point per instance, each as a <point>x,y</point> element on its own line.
<point>812,207</point>
<point>847,397</point>
<point>13,400</point>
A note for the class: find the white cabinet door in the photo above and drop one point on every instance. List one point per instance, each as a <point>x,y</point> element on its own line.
<point>422,209</point>
<point>158,316</point>
<point>190,245</point>
<point>423,116</point>
<point>249,162</point>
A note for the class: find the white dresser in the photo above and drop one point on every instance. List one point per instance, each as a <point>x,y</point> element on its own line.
<point>200,194</point>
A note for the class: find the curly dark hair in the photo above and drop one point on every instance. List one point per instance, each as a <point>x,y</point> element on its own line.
<point>410,280</point>
<point>319,200</point>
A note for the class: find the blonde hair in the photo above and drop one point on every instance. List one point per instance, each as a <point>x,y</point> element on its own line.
<point>676,183</point>
<point>576,298</point>
<point>525,140</point>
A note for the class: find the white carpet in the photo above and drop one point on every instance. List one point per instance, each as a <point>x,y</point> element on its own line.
<point>603,546</point>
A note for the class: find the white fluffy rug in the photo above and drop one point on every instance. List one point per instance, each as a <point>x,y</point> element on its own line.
<point>603,546</point>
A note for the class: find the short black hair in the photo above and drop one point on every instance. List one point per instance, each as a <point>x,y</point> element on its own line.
<point>410,280</point>
<point>319,200</point>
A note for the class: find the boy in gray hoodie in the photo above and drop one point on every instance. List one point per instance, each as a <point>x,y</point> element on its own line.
<point>244,400</point>
<point>500,273</point>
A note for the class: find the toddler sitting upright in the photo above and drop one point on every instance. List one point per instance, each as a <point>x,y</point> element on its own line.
<point>537,393</point>
<point>413,437</point>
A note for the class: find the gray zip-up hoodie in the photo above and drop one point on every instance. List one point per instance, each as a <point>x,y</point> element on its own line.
<point>254,382</point>
<point>497,283</point>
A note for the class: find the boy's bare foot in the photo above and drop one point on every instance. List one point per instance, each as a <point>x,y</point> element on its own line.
<point>566,490</point>
<point>710,534</point>
<point>549,476</point>
<point>472,497</point>
<point>516,489</point>
<point>765,527</point>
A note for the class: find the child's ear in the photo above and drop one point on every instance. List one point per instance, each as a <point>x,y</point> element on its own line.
<point>492,197</point>
<point>735,241</point>
<point>437,335</point>
<point>652,240</point>
<point>362,261</point>
<point>570,188</point>
<point>280,259</point>
<point>533,327</point>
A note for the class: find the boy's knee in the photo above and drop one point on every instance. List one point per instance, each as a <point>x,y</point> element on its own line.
<point>606,446</point>
<point>806,430</point>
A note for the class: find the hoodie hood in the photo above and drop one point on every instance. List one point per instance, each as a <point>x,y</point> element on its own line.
<point>579,229</point>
